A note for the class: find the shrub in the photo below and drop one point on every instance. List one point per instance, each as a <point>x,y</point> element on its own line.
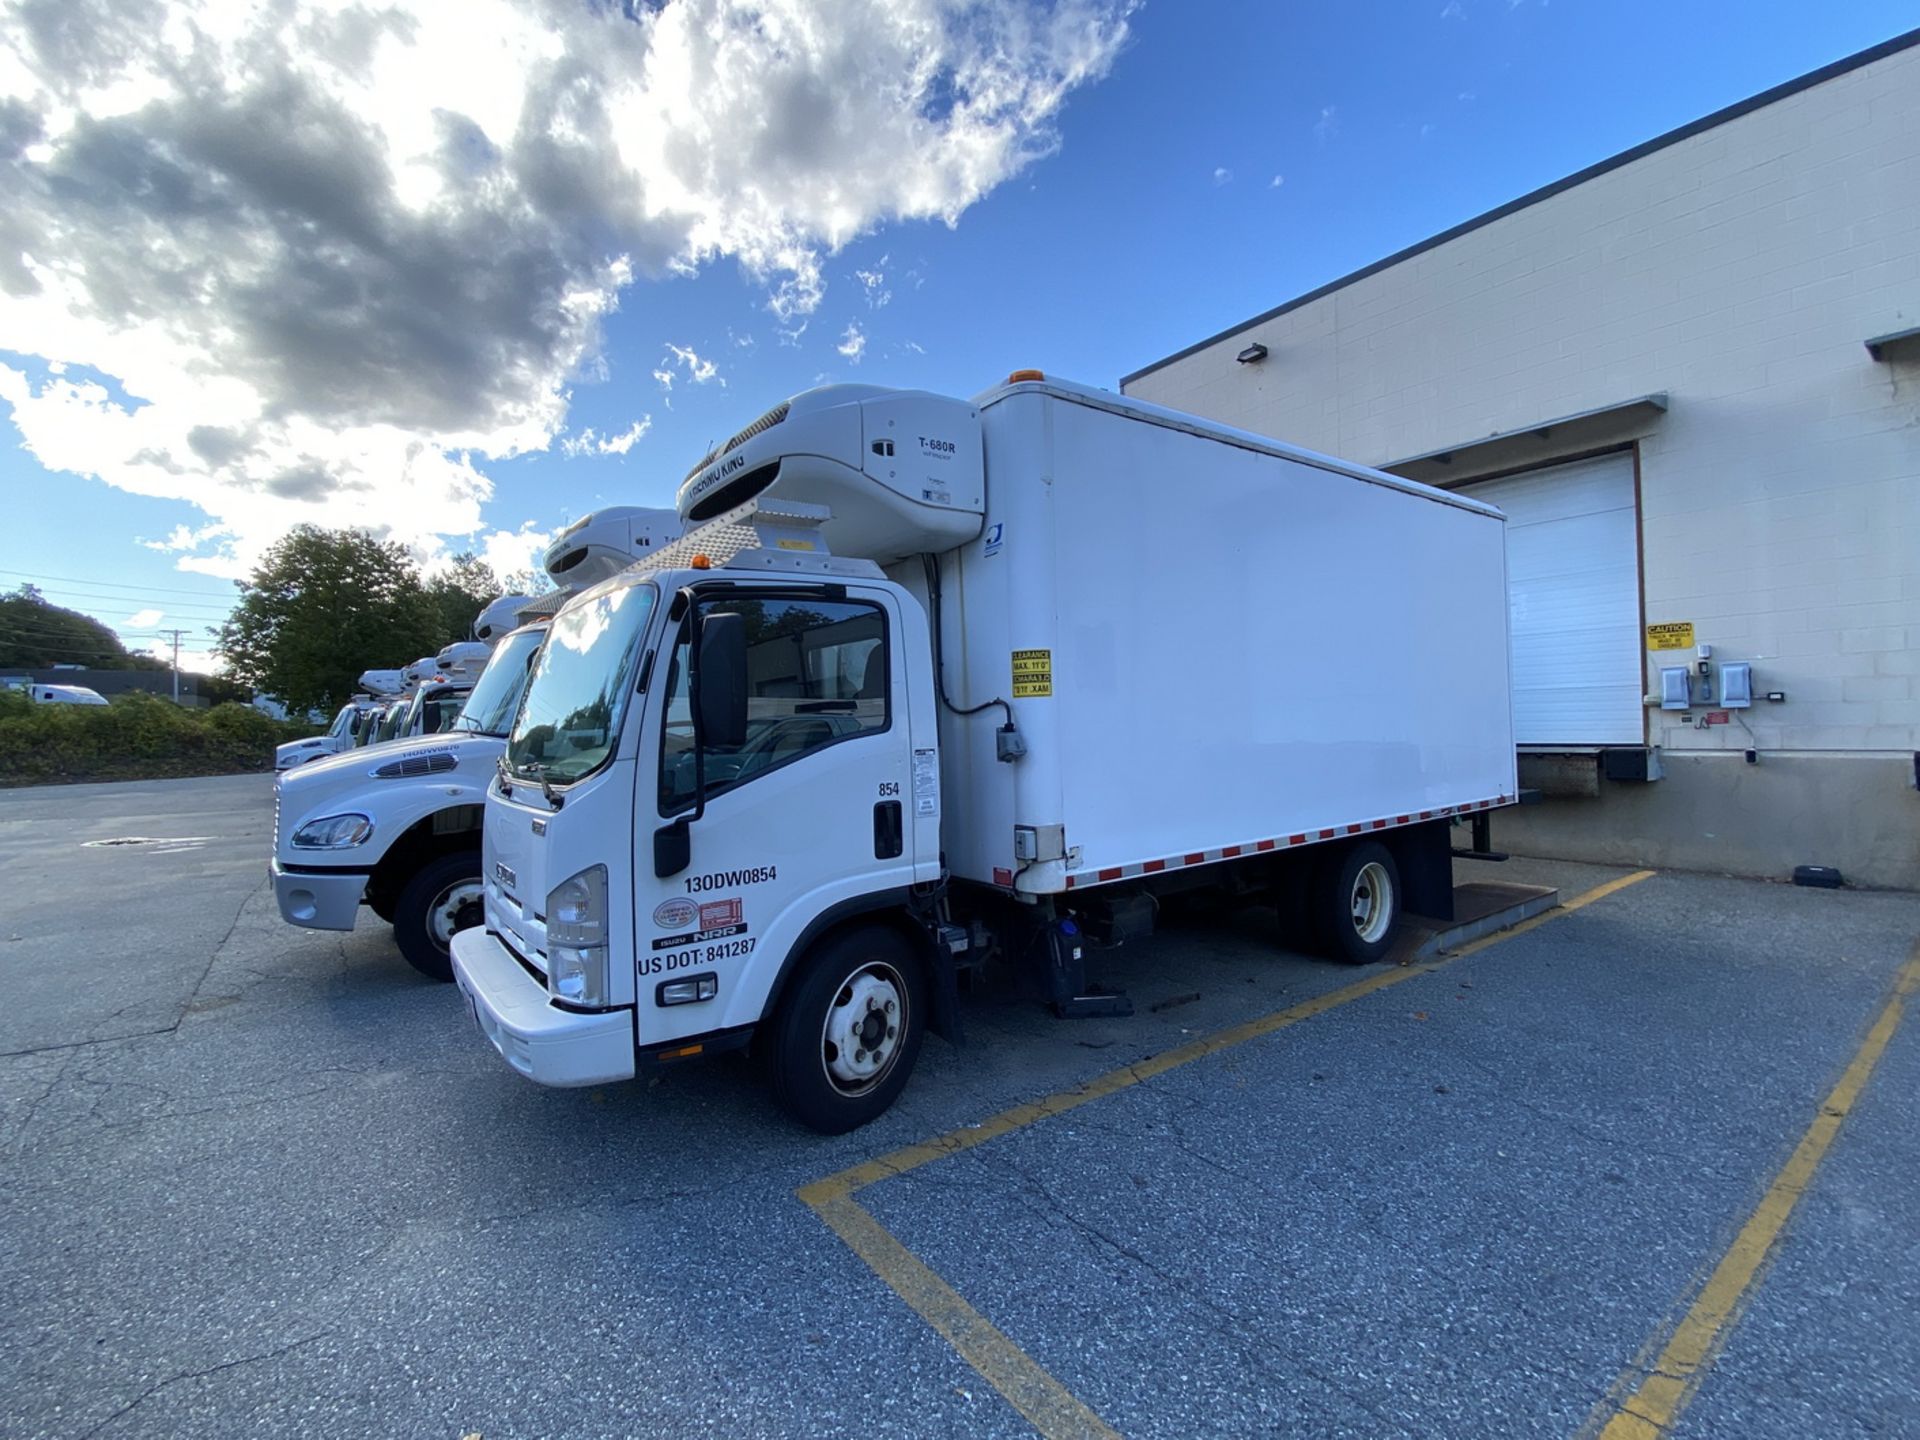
<point>136,737</point>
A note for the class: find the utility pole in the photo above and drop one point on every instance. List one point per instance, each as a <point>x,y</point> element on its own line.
<point>176,634</point>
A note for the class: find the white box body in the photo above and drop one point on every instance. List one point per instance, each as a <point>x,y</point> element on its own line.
<point>1246,645</point>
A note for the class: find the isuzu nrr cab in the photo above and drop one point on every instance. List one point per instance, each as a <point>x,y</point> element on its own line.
<point>930,681</point>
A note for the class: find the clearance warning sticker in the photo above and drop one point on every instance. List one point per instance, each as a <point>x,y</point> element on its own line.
<point>1032,673</point>
<point>1674,635</point>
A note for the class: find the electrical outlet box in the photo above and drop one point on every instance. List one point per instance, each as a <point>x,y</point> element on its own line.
<point>1736,685</point>
<point>1675,688</point>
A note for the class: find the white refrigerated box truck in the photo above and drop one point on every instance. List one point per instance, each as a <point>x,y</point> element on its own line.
<point>929,680</point>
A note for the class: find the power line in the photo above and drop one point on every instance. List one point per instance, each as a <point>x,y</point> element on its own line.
<point>106,584</point>
<point>61,596</point>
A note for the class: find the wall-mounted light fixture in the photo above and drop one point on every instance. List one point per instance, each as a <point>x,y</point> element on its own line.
<point>1252,353</point>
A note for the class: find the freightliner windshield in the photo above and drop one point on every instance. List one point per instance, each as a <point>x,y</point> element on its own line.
<point>496,694</point>
<point>570,720</point>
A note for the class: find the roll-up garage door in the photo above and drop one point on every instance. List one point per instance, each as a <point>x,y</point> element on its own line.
<point>1573,590</point>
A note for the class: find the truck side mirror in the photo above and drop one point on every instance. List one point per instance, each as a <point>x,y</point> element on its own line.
<point>672,848</point>
<point>723,681</point>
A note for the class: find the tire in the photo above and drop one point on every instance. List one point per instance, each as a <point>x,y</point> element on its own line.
<point>1356,902</point>
<point>854,974</point>
<point>443,896</point>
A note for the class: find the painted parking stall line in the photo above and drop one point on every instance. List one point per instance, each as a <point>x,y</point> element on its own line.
<point>1022,1381</point>
<point>1650,1396</point>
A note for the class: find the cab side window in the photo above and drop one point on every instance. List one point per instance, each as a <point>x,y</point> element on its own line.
<point>817,674</point>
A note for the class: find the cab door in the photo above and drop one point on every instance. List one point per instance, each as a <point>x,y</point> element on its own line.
<point>812,809</point>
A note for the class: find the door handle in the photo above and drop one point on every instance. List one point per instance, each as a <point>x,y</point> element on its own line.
<point>889,836</point>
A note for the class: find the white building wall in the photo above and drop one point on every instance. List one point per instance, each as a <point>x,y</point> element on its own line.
<point>1739,271</point>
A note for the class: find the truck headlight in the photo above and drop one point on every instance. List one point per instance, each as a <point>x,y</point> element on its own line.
<point>333,832</point>
<point>577,938</point>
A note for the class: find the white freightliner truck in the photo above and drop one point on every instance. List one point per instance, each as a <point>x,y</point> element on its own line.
<point>940,678</point>
<point>397,828</point>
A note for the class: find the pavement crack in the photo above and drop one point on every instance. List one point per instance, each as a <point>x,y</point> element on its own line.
<point>32,1106</point>
<point>1223,1323</point>
<point>158,1386</point>
<point>213,958</point>
<point>1503,1091</point>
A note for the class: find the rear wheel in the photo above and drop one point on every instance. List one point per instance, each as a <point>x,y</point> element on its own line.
<point>443,896</point>
<point>1356,902</point>
<point>849,1031</point>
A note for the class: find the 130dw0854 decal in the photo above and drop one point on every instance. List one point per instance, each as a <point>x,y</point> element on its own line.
<point>727,879</point>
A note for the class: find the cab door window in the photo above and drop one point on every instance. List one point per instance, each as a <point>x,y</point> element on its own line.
<point>817,675</point>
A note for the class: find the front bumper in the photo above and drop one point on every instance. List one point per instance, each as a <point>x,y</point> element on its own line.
<point>540,1040</point>
<point>318,900</point>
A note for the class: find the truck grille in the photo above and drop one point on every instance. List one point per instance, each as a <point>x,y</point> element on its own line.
<point>766,422</point>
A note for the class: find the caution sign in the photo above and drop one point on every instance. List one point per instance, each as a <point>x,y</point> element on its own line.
<point>1032,673</point>
<point>1674,635</point>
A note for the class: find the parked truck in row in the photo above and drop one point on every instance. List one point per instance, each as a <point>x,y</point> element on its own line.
<point>930,681</point>
<point>395,828</point>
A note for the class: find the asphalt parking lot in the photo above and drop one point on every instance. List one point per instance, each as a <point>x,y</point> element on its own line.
<point>1653,1156</point>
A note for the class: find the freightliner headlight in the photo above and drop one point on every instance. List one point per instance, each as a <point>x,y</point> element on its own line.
<point>333,832</point>
<point>577,938</point>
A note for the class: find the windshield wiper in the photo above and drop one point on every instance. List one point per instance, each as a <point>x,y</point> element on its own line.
<point>539,774</point>
<point>817,707</point>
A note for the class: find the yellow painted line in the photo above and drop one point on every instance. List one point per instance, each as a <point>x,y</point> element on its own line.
<point>1049,1406</point>
<point>1656,1394</point>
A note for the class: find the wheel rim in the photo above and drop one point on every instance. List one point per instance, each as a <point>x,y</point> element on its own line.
<point>458,907</point>
<point>1371,903</point>
<point>860,1039</point>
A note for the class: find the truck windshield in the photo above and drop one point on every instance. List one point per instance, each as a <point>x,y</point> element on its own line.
<point>342,723</point>
<point>570,719</point>
<point>496,694</point>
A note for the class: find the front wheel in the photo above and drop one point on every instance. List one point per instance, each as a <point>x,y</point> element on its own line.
<point>849,1031</point>
<point>1356,902</point>
<point>443,896</point>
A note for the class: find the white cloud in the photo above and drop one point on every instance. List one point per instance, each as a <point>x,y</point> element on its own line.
<point>511,551</point>
<point>697,370</point>
<point>1222,175</point>
<point>915,347</point>
<point>853,343</point>
<point>334,259</point>
<point>145,619</point>
<point>1328,125</point>
<point>1276,182</point>
<point>1454,11</point>
<point>874,283</point>
<point>591,442</point>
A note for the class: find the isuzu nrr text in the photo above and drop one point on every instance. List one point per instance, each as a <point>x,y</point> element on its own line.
<point>931,681</point>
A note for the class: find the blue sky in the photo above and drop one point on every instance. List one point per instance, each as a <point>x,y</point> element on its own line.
<point>1221,158</point>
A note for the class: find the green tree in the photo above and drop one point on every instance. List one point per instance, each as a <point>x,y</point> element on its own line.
<point>325,605</point>
<point>35,635</point>
<point>459,593</point>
